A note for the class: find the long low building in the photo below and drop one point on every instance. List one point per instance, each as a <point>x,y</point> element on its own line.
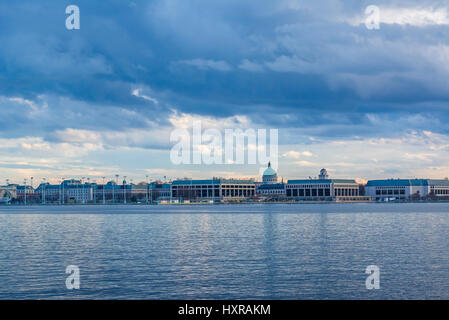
<point>325,190</point>
<point>68,191</point>
<point>273,189</point>
<point>212,190</point>
<point>160,191</point>
<point>408,189</point>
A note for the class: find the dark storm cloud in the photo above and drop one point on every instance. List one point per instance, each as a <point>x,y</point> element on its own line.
<point>286,64</point>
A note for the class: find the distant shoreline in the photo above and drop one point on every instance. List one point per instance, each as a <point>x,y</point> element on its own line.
<point>214,204</point>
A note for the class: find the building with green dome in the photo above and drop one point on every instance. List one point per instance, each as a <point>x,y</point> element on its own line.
<point>270,186</point>
<point>269,176</point>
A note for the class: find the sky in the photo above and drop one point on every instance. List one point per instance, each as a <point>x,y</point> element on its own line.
<point>103,100</point>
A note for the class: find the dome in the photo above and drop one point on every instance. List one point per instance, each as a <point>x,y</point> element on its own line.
<point>269,172</point>
<point>323,174</point>
<point>269,175</point>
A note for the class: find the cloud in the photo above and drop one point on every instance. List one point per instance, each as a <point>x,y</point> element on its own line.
<point>296,155</point>
<point>415,16</point>
<point>204,64</point>
<point>413,154</point>
<point>24,101</point>
<point>251,66</point>
<point>310,69</point>
<point>186,121</point>
<point>136,93</point>
<point>304,163</point>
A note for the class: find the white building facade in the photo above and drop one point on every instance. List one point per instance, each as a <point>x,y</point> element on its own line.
<point>407,189</point>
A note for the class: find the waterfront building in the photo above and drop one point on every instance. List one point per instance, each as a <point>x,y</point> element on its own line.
<point>274,189</point>
<point>69,191</point>
<point>270,175</point>
<point>138,192</point>
<point>124,193</point>
<point>76,191</point>
<point>324,189</point>
<point>49,193</point>
<point>111,191</point>
<point>141,192</point>
<point>219,190</point>
<point>212,190</point>
<point>26,194</point>
<point>408,189</point>
<point>160,192</point>
<point>270,186</point>
<point>438,189</point>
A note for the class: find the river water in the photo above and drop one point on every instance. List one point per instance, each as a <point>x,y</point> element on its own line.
<point>258,251</point>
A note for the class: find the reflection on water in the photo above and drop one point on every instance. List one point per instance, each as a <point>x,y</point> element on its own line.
<point>225,251</point>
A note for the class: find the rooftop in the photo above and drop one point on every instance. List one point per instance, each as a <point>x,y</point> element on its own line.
<point>212,181</point>
<point>269,172</point>
<point>399,182</point>
<point>323,181</point>
<point>271,186</point>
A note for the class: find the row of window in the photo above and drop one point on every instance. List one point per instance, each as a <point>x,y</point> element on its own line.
<point>442,191</point>
<point>390,192</point>
<point>271,191</point>
<point>211,187</point>
<point>188,186</point>
<point>301,186</point>
<point>390,187</point>
<point>237,187</point>
<point>238,193</point>
<point>346,192</point>
<point>209,193</point>
<point>308,192</point>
